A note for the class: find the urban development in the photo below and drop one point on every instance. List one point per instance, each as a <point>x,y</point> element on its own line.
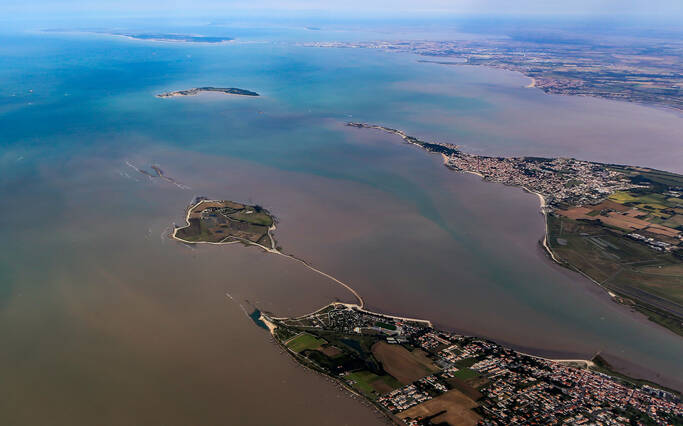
<point>418,375</point>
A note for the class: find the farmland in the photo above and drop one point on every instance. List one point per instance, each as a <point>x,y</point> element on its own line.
<point>401,363</point>
<point>453,408</point>
<point>304,341</point>
<point>649,280</point>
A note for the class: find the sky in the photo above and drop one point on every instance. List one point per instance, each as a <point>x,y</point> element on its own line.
<point>668,9</point>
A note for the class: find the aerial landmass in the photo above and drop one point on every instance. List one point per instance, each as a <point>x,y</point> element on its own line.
<point>620,226</point>
<point>646,71</point>
<point>418,375</point>
<point>221,221</point>
<point>198,90</point>
<point>186,38</point>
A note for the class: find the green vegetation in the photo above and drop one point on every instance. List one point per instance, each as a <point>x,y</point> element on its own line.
<point>649,280</point>
<point>305,341</point>
<point>250,216</point>
<point>385,326</point>
<point>652,203</point>
<point>370,384</point>
<point>465,363</point>
<point>655,177</point>
<point>466,373</point>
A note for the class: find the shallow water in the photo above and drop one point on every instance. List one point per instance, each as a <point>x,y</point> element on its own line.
<point>102,316</point>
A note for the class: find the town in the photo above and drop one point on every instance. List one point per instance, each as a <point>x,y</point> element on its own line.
<point>419,375</point>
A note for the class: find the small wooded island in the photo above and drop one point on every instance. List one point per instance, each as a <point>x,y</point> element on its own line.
<point>223,222</point>
<point>198,90</point>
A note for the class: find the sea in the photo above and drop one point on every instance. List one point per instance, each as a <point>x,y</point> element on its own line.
<point>106,320</point>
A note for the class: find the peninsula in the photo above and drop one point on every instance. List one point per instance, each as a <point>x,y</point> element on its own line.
<point>620,226</point>
<point>418,375</point>
<point>198,90</point>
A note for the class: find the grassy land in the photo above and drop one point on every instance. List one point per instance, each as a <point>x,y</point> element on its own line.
<point>465,363</point>
<point>305,341</point>
<point>386,326</point>
<point>651,203</point>
<point>466,373</point>
<point>256,218</point>
<point>648,279</point>
<point>372,385</point>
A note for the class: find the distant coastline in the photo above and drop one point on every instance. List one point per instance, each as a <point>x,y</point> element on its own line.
<point>156,37</point>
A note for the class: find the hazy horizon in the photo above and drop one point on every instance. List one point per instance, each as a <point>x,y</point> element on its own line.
<point>670,10</point>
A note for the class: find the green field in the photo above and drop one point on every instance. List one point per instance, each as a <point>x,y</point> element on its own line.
<point>368,383</point>
<point>305,341</point>
<point>466,373</point>
<point>649,202</point>
<point>385,326</point>
<point>256,218</point>
<point>465,363</point>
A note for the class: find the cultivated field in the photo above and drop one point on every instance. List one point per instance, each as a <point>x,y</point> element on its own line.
<point>404,365</point>
<point>305,341</point>
<point>455,408</point>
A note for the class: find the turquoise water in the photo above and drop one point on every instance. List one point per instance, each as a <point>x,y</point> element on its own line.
<point>83,229</point>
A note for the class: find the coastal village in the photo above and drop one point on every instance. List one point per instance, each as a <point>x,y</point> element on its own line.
<point>419,375</point>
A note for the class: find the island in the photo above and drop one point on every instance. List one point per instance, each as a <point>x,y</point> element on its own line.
<point>198,90</point>
<point>184,38</point>
<point>416,374</point>
<point>158,37</point>
<point>620,226</point>
<point>222,222</point>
